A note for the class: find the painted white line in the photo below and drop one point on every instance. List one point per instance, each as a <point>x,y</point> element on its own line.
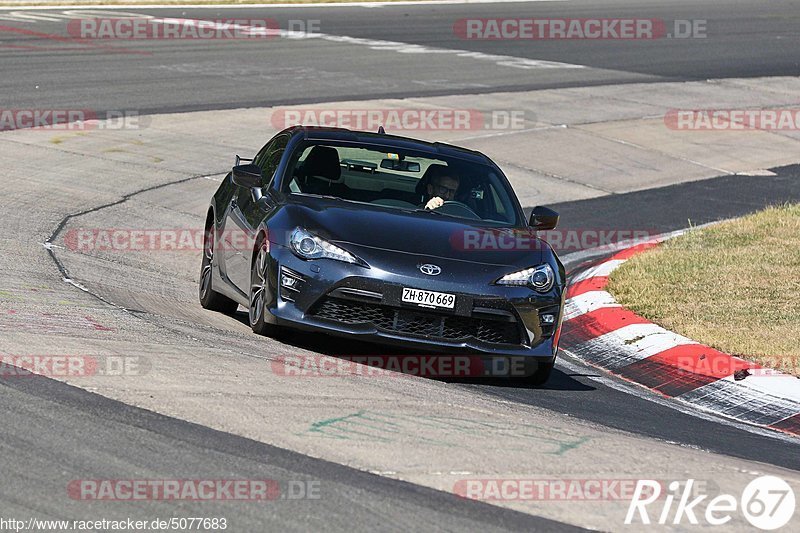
<point>599,271</point>
<point>736,400</point>
<point>781,385</point>
<point>578,366</point>
<point>588,302</point>
<point>21,16</point>
<point>589,253</point>
<point>513,132</point>
<point>645,340</point>
<point>376,44</point>
<point>24,15</point>
<point>322,5</point>
<point>757,399</point>
<point>628,344</point>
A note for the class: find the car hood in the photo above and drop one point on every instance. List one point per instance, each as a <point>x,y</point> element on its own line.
<point>420,233</point>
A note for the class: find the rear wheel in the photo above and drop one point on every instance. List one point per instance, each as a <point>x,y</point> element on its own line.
<point>258,291</point>
<point>209,298</point>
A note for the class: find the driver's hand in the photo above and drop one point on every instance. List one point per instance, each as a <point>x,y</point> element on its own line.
<point>434,202</point>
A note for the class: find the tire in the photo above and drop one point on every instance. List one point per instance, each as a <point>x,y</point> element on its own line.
<point>542,374</point>
<point>258,291</point>
<point>209,298</point>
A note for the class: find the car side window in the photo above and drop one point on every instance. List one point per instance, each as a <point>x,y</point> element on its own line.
<point>499,208</point>
<point>270,157</point>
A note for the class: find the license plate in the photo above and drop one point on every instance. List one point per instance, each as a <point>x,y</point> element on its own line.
<point>430,299</point>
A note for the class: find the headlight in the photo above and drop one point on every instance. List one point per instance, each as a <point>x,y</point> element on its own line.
<point>540,278</point>
<point>310,246</point>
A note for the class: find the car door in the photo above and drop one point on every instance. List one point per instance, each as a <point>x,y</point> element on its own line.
<point>245,213</point>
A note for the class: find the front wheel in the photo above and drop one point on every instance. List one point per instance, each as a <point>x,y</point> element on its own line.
<point>209,298</point>
<point>258,291</point>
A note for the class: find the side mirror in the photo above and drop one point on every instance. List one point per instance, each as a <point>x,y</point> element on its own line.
<point>543,218</point>
<point>247,176</point>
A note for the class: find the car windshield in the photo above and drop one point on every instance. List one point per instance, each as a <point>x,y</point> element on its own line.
<point>404,180</point>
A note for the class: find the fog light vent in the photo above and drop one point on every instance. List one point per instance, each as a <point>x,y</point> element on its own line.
<point>548,320</point>
<point>291,283</point>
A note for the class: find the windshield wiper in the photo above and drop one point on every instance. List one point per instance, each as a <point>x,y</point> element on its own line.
<point>326,196</point>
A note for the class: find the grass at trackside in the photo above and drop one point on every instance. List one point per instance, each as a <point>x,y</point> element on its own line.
<point>734,286</point>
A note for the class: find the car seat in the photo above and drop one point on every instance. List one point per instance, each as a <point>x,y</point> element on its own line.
<point>321,171</point>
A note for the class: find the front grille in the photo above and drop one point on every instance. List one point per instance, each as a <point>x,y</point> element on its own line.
<point>418,323</point>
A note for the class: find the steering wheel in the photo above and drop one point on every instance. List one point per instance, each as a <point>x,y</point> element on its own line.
<point>452,207</point>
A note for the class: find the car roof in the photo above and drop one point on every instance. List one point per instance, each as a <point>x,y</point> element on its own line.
<point>320,133</point>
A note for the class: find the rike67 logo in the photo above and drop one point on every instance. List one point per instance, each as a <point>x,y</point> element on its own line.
<point>767,502</point>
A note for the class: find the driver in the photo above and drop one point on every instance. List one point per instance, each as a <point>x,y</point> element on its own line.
<point>442,187</point>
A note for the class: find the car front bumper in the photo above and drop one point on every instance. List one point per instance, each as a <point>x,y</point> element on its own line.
<point>349,300</point>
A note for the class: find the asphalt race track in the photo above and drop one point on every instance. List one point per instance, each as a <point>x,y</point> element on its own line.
<point>748,41</point>
<point>384,453</point>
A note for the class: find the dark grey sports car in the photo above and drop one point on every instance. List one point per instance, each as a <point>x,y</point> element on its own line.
<point>385,239</point>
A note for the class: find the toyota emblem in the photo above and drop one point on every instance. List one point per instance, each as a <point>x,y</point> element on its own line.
<point>430,270</point>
